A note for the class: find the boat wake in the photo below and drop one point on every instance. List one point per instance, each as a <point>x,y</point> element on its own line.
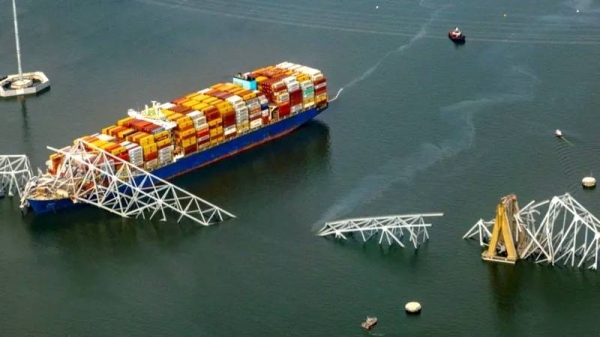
<point>516,86</point>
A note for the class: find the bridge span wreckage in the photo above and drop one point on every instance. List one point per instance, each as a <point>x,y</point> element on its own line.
<point>555,231</point>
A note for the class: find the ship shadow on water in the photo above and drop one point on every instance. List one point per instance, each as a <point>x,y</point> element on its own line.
<point>304,149</point>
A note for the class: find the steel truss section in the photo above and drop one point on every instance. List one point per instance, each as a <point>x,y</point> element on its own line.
<point>567,234</point>
<point>393,228</point>
<point>117,186</point>
<point>15,172</point>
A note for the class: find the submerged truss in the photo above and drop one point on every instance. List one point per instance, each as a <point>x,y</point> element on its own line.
<point>393,228</point>
<point>15,172</point>
<point>567,234</point>
<point>117,186</point>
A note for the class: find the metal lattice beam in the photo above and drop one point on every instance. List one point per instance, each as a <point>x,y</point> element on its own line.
<point>15,172</point>
<point>566,234</point>
<point>393,228</point>
<point>98,178</point>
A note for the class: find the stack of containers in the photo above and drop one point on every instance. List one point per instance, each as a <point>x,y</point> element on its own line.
<point>201,128</point>
<point>295,94</point>
<point>241,113</point>
<point>264,108</point>
<point>276,92</point>
<point>303,77</point>
<point>254,112</point>
<point>212,115</point>
<point>185,134</point>
<point>134,152</point>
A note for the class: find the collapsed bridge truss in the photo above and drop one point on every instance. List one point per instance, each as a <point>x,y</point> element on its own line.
<point>392,228</point>
<point>100,179</point>
<point>566,234</point>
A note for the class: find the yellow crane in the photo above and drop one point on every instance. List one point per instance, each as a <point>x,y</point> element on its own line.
<point>505,234</point>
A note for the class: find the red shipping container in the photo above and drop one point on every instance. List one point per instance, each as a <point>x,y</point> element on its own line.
<point>319,81</point>
<point>190,149</point>
<point>150,156</point>
<point>284,109</point>
<point>296,97</point>
<point>202,133</point>
<point>150,128</point>
<point>266,120</point>
<point>229,119</point>
<point>124,156</point>
<point>320,91</point>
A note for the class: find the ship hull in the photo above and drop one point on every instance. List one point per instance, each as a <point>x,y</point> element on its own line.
<point>203,158</point>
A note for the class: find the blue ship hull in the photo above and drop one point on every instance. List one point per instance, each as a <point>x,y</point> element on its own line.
<point>203,158</point>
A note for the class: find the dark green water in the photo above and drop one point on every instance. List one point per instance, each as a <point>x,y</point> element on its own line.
<point>421,126</point>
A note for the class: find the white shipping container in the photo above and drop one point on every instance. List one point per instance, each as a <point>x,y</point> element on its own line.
<point>296,108</point>
<point>167,105</point>
<point>265,113</point>
<point>167,149</point>
<point>95,135</point>
<point>195,114</point>
<point>229,130</point>
<point>201,127</point>
<point>151,164</point>
<point>199,121</point>
<point>283,97</point>
<point>106,138</point>
<point>306,84</point>
<point>256,114</point>
<point>320,85</point>
<point>256,123</point>
<point>204,91</point>
<point>293,87</point>
<point>234,100</point>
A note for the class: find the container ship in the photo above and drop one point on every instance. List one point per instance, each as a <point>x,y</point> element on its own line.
<point>199,128</point>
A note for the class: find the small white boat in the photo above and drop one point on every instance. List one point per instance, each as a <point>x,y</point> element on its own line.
<point>558,133</point>
<point>369,323</point>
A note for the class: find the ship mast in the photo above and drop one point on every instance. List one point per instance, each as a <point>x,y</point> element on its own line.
<point>17,39</point>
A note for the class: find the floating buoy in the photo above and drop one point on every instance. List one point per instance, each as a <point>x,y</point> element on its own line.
<point>558,133</point>
<point>376,7</point>
<point>412,308</point>
<point>504,14</point>
<point>588,182</point>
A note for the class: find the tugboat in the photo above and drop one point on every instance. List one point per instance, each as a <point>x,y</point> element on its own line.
<point>457,36</point>
<point>369,323</point>
<point>558,134</point>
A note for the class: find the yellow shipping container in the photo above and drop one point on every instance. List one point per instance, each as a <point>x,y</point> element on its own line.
<point>201,97</point>
<point>261,79</point>
<point>105,145</point>
<point>249,96</point>
<point>185,125</point>
<point>175,116</point>
<point>213,132</point>
<point>237,91</point>
<point>124,121</point>
<point>117,151</point>
<point>200,106</point>
<point>138,136</point>
<point>211,100</point>
<point>215,122</point>
<point>189,103</point>
<point>216,140</point>
<point>98,143</point>
<point>106,130</point>
<point>150,148</point>
<point>188,141</point>
<point>147,140</point>
<point>164,142</point>
<point>185,133</point>
<point>161,135</point>
<point>167,112</point>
